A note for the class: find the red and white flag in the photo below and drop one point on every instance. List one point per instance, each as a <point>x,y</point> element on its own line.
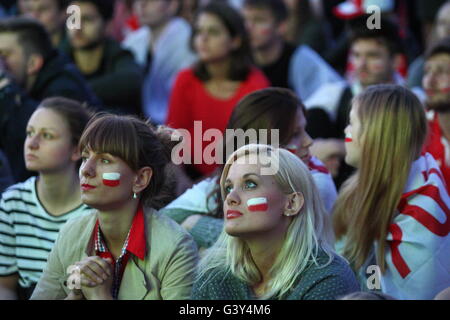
<point>257,204</point>
<point>418,252</point>
<point>111,179</point>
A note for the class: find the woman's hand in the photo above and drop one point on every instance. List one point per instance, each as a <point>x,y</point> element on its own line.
<point>96,278</point>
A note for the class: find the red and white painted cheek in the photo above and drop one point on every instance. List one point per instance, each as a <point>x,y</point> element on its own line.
<point>348,137</point>
<point>257,204</point>
<point>111,179</point>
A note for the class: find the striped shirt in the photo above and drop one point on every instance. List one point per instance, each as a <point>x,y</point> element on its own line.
<point>28,231</point>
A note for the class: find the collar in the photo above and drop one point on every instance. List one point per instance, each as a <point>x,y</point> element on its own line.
<point>136,240</point>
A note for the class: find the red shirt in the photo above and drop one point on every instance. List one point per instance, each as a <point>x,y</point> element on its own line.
<point>135,243</point>
<point>436,147</point>
<point>190,101</point>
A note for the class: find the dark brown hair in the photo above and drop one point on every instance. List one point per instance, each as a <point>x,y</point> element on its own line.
<point>387,34</point>
<point>241,59</point>
<point>31,35</point>
<point>74,113</point>
<point>139,144</point>
<point>269,108</point>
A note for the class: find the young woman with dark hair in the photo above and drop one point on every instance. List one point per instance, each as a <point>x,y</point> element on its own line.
<point>32,212</point>
<point>223,75</point>
<point>126,249</point>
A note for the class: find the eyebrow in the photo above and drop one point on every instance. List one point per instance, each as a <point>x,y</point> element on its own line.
<point>245,176</point>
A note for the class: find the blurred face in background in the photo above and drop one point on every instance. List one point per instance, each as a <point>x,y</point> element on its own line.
<point>92,30</point>
<point>13,58</point>
<point>261,26</point>
<point>300,141</point>
<point>212,41</point>
<point>443,22</point>
<point>372,62</point>
<point>47,12</point>
<point>154,13</point>
<point>436,82</point>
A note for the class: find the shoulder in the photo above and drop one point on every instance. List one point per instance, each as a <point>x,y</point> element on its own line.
<point>327,280</point>
<point>195,198</point>
<point>187,78</point>
<point>75,227</point>
<point>22,190</point>
<point>137,37</point>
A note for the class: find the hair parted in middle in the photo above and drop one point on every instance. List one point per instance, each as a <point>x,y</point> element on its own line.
<point>393,131</point>
<point>309,231</point>
<point>241,58</point>
<point>139,144</point>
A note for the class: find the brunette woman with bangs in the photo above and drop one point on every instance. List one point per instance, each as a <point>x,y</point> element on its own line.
<point>394,211</point>
<point>223,75</point>
<point>126,250</point>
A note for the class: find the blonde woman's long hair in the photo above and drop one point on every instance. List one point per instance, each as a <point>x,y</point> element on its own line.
<point>393,130</point>
<point>309,231</point>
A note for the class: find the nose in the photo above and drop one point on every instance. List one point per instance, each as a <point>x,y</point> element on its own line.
<point>233,198</point>
<point>87,168</point>
<point>32,142</point>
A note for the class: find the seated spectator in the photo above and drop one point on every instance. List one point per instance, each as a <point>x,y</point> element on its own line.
<point>110,70</point>
<point>373,53</point>
<point>126,249</point>
<point>30,71</point>
<point>436,82</point>
<point>161,47</point>
<point>441,31</point>
<point>304,26</point>
<point>52,15</point>
<point>284,64</point>
<point>208,92</point>
<point>32,212</point>
<point>277,239</point>
<point>275,110</point>
<point>393,206</point>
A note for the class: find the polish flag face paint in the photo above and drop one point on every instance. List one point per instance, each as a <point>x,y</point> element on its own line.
<point>257,204</point>
<point>348,137</point>
<point>111,179</point>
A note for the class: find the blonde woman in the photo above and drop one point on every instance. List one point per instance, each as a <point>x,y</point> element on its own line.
<point>277,240</point>
<point>396,205</point>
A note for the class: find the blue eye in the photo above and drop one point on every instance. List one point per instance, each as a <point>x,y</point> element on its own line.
<point>249,184</point>
<point>105,161</point>
<point>228,189</point>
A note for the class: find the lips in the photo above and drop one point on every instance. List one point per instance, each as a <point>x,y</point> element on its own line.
<point>30,157</point>
<point>86,186</point>
<point>232,214</point>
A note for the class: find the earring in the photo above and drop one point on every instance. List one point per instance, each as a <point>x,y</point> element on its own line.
<point>134,195</point>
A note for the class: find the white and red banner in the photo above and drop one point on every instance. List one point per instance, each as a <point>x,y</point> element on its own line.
<point>418,252</point>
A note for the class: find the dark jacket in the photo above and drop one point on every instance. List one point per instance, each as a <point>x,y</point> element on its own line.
<point>117,81</point>
<point>57,77</point>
